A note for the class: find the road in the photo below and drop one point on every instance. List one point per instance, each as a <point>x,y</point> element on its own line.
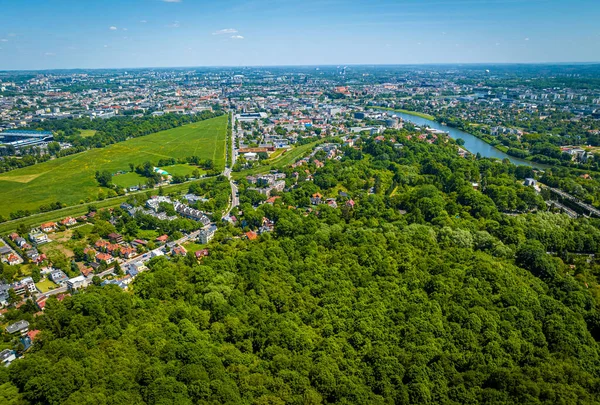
<point>124,265</point>
<point>235,201</point>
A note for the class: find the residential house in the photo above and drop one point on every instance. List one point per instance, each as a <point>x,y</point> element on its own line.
<point>127,252</point>
<point>58,277</point>
<point>201,253</point>
<point>102,245</point>
<point>7,356</point>
<point>316,199</point>
<point>162,239</point>
<point>77,283</point>
<point>24,286</point>
<point>191,213</point>
<point>68,221</point>
<point>115,238</point>
<point>88,271</point>
<point>178,251</point>
<point>207,234</point>
<point>139,242</point>
<point>38,238</point>
<point>20,242</point>
<point>13,259</point>
<point>251,235</point>
<point>20,327</point>
<point>104,257</point>
<point>48,227</point>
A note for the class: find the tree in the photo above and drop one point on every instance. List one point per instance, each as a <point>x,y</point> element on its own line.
<point>36,274</point>
<point>13,297</point>
<point>117,269</point>
<point>104,178</point>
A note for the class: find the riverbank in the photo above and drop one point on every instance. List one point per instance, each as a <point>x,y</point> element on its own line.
<point>472,143</point>
<point>399,110</point>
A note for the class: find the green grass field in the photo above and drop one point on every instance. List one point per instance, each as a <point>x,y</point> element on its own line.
<point>87,132</point>
<point>181,170</point>
<point>45,286</point>
<point>77,210</point>
<point>194,247</point>
<point>129,179</point>
<point>71,179</point>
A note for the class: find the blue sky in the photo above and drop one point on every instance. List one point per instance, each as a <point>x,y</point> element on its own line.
<point>47,34</point>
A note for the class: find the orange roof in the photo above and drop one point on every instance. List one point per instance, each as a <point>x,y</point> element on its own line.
<point>32,334</point>
<point>251,235</point>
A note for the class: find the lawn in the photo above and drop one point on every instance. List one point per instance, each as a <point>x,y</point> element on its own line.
<point>45,286</point>
<point>129,179</point>
<point>87,132</point>
<point>194,247</point>
<point>147,234</point>
<point>71,180</point>
<point>181,170</point>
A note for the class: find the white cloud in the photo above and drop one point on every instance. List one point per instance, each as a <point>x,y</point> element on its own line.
<point>112,28</point>
<point>3,40</point>
<point>124,29</point>
<point>226,31</point>
<point>174,25</point>
<point>237,37</point>
<point>106,46</point>
<point>526,39</point>
<point>49,54</point>
<point>143,21</point>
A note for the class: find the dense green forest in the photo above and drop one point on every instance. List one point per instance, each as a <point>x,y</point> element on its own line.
<point>428,290</point>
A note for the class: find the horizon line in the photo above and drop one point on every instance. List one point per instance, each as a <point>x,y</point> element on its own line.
<point>311,65</point>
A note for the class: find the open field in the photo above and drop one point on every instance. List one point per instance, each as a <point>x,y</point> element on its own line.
<point>77,210</point>
<point>129,179</point>
<point>70,180</point>
<point>181,170</point>
<point>87,132</point>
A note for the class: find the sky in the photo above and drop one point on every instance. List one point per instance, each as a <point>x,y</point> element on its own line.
<point>57,34</point>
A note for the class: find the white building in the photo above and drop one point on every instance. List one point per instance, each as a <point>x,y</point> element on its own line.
<point>207,234</point>
<point>77,282</point>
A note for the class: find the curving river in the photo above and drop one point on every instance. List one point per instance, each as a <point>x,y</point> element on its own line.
<point>472,143</point>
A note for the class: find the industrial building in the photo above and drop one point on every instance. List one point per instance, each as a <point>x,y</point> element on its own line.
<point>20,139</point>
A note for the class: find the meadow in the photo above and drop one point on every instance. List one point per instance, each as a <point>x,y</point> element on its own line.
<point>71,180</point>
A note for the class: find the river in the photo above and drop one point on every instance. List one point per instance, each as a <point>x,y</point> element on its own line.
<point>472,143</point>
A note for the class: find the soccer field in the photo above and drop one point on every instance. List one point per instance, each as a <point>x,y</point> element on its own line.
<point>71,179</point>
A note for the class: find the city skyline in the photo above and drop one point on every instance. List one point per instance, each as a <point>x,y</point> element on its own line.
<point>185,33</point>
